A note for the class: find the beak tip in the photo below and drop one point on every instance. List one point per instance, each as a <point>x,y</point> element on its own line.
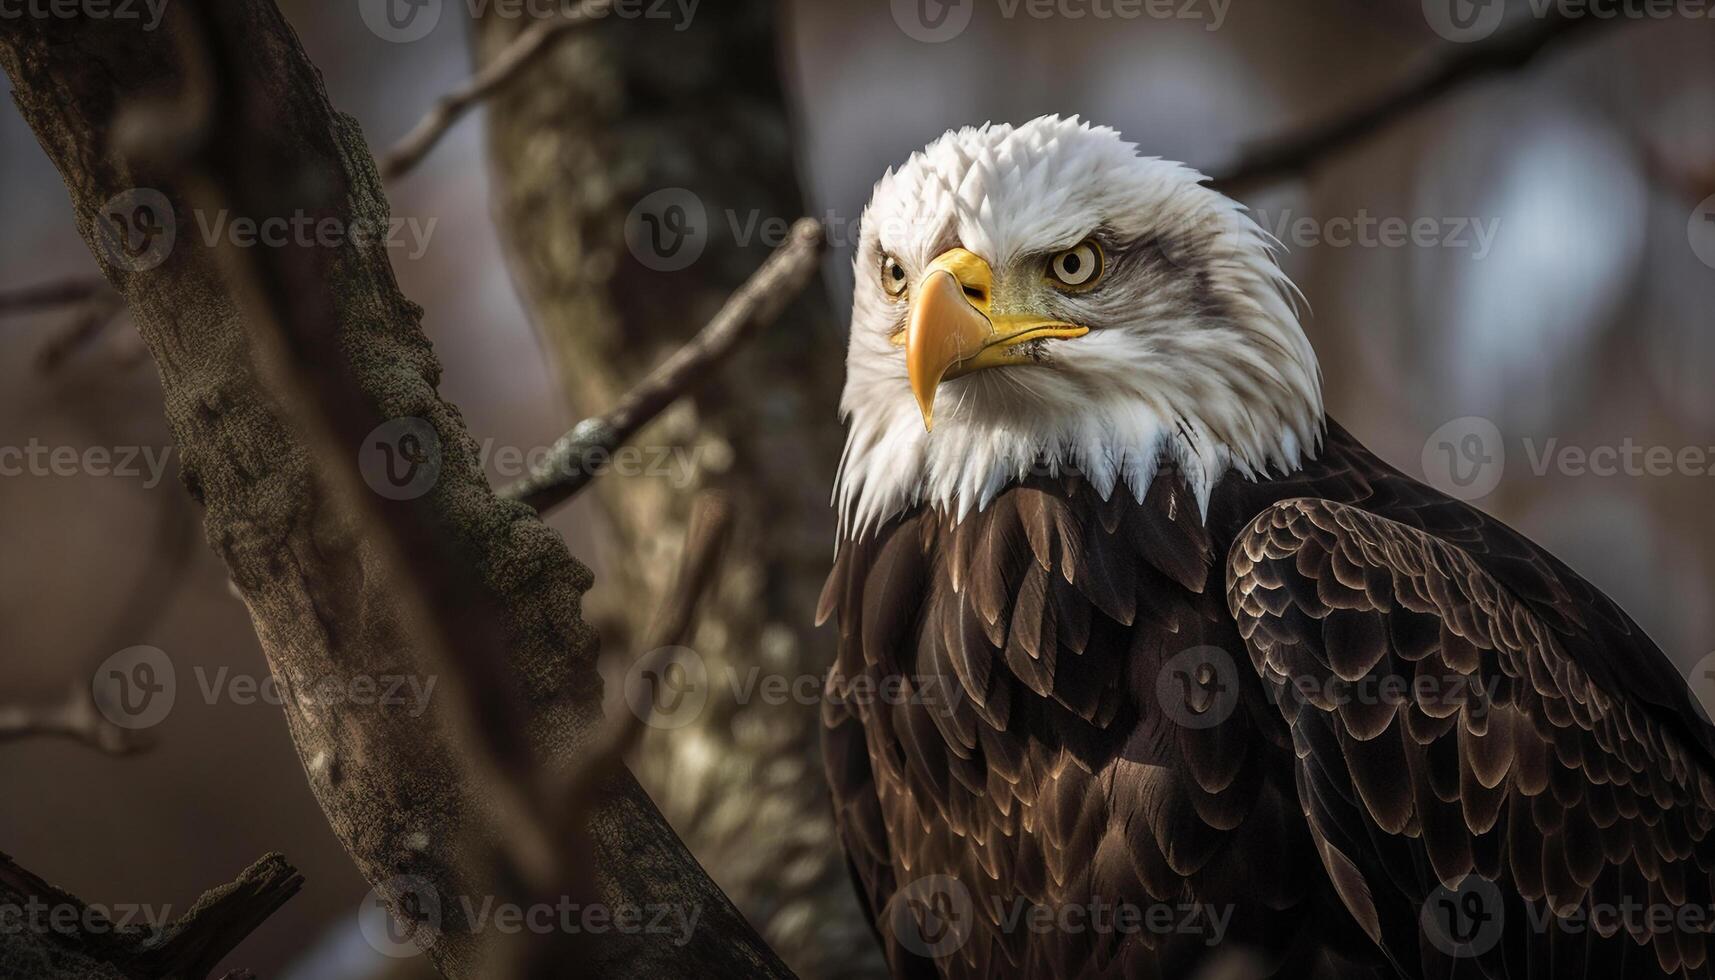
<point>926,405</point>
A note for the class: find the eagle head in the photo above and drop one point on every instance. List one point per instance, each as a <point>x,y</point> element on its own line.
<point>1042,298</point>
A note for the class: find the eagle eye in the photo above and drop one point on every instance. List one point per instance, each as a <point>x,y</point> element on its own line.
<point>892,276</point>
<point>1078,267</point>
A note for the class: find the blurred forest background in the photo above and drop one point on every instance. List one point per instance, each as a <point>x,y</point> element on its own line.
<point>1561,287</point>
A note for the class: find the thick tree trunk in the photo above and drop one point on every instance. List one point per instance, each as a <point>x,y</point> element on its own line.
<point>110,104</point>
<point>616,128</point>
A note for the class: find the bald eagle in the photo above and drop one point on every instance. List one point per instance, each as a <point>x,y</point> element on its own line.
<point>1142,659</point>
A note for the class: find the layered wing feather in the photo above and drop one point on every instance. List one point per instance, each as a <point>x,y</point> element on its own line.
<point>1490,792</point>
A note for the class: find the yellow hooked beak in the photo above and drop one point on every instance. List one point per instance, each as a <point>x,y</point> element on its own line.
<point>951,331</point>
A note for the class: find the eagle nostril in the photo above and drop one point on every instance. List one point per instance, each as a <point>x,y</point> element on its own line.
<point>976,293</point>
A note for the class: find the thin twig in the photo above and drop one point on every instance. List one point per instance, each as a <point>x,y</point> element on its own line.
<point>706,538</point>
<point>675,621</point>
<point>75,718</point>
<point>1298,152</point>
<point>573,461</point>
<point>98,306</point>
<point>44,296</point>
<point>99,312</point>
<point>533,42</point>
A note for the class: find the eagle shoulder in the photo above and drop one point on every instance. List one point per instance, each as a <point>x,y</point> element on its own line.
<point>1455,760</point>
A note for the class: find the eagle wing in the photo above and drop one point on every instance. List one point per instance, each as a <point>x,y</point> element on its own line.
<point>1462,774</point>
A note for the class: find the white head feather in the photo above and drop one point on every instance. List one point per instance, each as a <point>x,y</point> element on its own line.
<point>1195,353</point>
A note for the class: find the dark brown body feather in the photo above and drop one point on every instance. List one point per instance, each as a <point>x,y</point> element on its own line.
<point>1063,705</point>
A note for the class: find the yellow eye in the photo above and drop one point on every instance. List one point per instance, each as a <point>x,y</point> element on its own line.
<point>892,276</point>
<point>1077,267</point>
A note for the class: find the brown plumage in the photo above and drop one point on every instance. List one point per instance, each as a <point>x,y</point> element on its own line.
<point>1106,703</point>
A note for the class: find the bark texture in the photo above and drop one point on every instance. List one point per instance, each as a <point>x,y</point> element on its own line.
<point>104,100</point>
<point>55,936</point>
<point>646,114</point>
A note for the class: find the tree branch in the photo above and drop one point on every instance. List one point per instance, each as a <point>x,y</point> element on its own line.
<point>579,454</point>
<point>58,937</point>
<point>1298,152</point>
<point>277,364</point>
<point>75,718</point>
<point>523,52</point>
<point>97,314</point>
<point>44,296</point>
